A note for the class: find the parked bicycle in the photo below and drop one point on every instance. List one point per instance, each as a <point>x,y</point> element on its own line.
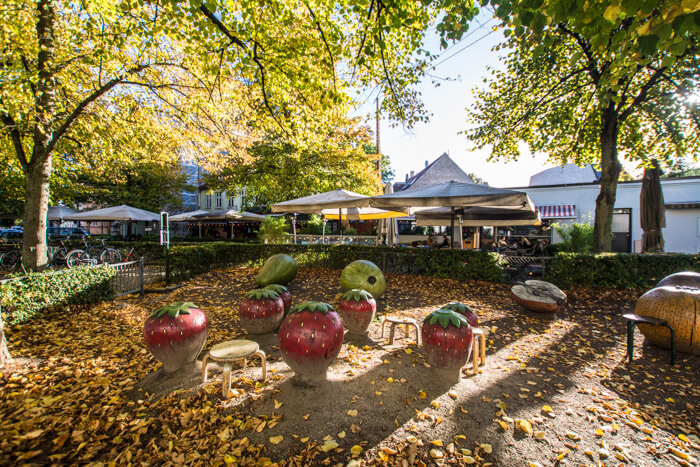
<point>92,254</point>
<point>11,259</point>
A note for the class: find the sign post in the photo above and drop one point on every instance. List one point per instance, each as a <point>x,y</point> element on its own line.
<point>165,241</point>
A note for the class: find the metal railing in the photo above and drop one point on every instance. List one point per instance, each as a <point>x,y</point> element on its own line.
<point>128,278</point>
<point>522,268</point>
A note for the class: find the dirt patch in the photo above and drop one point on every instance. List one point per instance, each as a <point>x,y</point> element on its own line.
<point>554,389</point>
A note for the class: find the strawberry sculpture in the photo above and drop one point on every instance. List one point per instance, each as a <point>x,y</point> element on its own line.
<point>465,311</point>
<point>175,334</point>
<point>447,339</point>
<point>310,338</point>
<point>357,307</point>
<point>261,311</point>
<point>284,294</point>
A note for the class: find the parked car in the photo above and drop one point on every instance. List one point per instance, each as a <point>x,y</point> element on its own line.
<point>67,232</point>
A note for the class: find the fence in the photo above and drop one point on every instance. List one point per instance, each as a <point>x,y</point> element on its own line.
<point>522,268</point>
<point>129,277</point>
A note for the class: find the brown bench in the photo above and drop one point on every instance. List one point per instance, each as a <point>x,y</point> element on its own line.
<point>633,320</point>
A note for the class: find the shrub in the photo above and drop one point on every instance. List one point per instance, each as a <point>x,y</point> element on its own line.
<point>273,229</point>
<point>617,270</point>
<point>576,238</point>
<point>26,297</point>
<point>314,226</point>
<point>350,231</point>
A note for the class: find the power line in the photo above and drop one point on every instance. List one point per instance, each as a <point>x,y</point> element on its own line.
<point>463,49</point>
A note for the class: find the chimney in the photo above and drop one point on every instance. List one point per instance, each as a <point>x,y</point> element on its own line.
<point>406,178</point>
<point>412,173</point>
<point>426,163</point>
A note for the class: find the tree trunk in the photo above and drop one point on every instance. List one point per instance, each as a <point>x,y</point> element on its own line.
<point>34,248</point>
<point>5,356</point>
<point>610,173</point>
<point>38,169</point>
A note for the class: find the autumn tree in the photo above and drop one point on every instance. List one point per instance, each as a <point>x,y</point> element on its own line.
<point>61,60</point>
<point>589,82</point>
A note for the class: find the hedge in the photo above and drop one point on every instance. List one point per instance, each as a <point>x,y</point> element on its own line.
<point>617,270</point>
<point>23,298</point>
<point>190,260</point>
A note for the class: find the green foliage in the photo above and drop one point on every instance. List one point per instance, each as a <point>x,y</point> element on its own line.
<point>465,265</point>
<point>314,226</point>
<point>273,229</point>
<point>25,298</point>
<point>357,294</point>
<point>258,294</point>
<point>446,317</point>
<point>174,309</point>
<point>616,270</point>
<point>576,237</point>
<point>350,231</point>
<point>312,307</point>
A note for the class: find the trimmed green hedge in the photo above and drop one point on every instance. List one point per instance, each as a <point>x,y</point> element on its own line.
<point>25,297</point>
<point>190,260</point>
<point>617,270</point>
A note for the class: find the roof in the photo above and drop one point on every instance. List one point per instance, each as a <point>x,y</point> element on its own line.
<point>442,169</point>
<point>565,175</point>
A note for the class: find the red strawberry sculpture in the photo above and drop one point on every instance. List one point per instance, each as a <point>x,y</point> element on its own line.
<point>175,334</point>
<point>447,339</point>
<point>465,311</point>
<point>310,338</point>
<point>261,311</point>
<point>284,294</point>
<point>357,307</point>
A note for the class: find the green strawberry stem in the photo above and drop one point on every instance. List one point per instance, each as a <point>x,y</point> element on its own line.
<point>174,309</point>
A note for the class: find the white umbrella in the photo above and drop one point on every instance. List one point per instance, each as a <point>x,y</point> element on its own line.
<point>58,213</point>
<point>185,216</point>
<point>388,228</point>
<point>115,213</point>
<point>477,216</point>
<point>453,194</point>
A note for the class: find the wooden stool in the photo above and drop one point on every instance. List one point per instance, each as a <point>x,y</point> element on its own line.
<point>394,321</point>
<point>633,320</point>
<point>478,349</point>
<point>227,353</point>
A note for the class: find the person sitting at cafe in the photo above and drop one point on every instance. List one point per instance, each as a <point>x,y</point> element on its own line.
<point>503,243</point>
<point>431,241</point>
<point>525,243</point>
<point>445,242</point>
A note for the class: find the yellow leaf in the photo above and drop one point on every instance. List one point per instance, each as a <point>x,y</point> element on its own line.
<point>303,440</point>
<point>437,442</point>
<point>546,408</point>
<point>524,425</point>
<point>276,439</point>
<point>408,351</point>
<point>328,445</point>
<point>670,399</point>
<point>352,413</point>
<point>503,424</point>
<point>356,450</point>
<point>390,380</point>
<point>487,448</point>
<point>277,404</point>
<point>341,435</point>
<point>422,394</point>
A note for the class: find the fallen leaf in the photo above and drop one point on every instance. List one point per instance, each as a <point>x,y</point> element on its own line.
<point>276,439</point>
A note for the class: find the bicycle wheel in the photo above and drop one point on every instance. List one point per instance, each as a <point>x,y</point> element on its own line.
<point>111,256</point>
<point>11,260</point>
<point>76,258</point>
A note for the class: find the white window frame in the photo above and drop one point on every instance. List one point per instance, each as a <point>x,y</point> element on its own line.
<point>231,201</point>
<point>207,201</point>
<point>218,199</point>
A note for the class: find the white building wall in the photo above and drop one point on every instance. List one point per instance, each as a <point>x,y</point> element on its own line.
<point>682,232</point>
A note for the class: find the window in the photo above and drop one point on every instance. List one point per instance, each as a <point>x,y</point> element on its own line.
<point>218,199</point>
<point>207,201</point>
<point>232,201</point>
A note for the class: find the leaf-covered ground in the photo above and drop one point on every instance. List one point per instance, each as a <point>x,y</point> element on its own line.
<point>554,390</point>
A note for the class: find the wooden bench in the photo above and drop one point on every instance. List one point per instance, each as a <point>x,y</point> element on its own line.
<point>394,321</point>
<point>633,320</point>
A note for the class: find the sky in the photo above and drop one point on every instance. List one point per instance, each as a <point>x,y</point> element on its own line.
<point>466,66</point>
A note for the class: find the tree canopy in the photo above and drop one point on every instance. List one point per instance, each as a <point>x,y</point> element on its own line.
<point>215,76</point>
<point>590,82</point>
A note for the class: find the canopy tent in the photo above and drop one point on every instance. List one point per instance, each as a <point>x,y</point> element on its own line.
<point>315,204</point>
<point>115,213</point>
<point>454,194</point>
<point>227,215</point>
<point>185,216</point>
<point>357,214</point>
<point>59,213</point>
<point>476,216</point>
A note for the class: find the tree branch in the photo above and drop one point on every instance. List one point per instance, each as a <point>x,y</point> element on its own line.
<point>642,95</point>
<point>325,42</point>
<point>586,49</point>
<point>16,138</point>
<point>87,101</point>
<point>222,27</point>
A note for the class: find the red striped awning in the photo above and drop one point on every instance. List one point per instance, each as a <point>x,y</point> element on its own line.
<point>557,211</point>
